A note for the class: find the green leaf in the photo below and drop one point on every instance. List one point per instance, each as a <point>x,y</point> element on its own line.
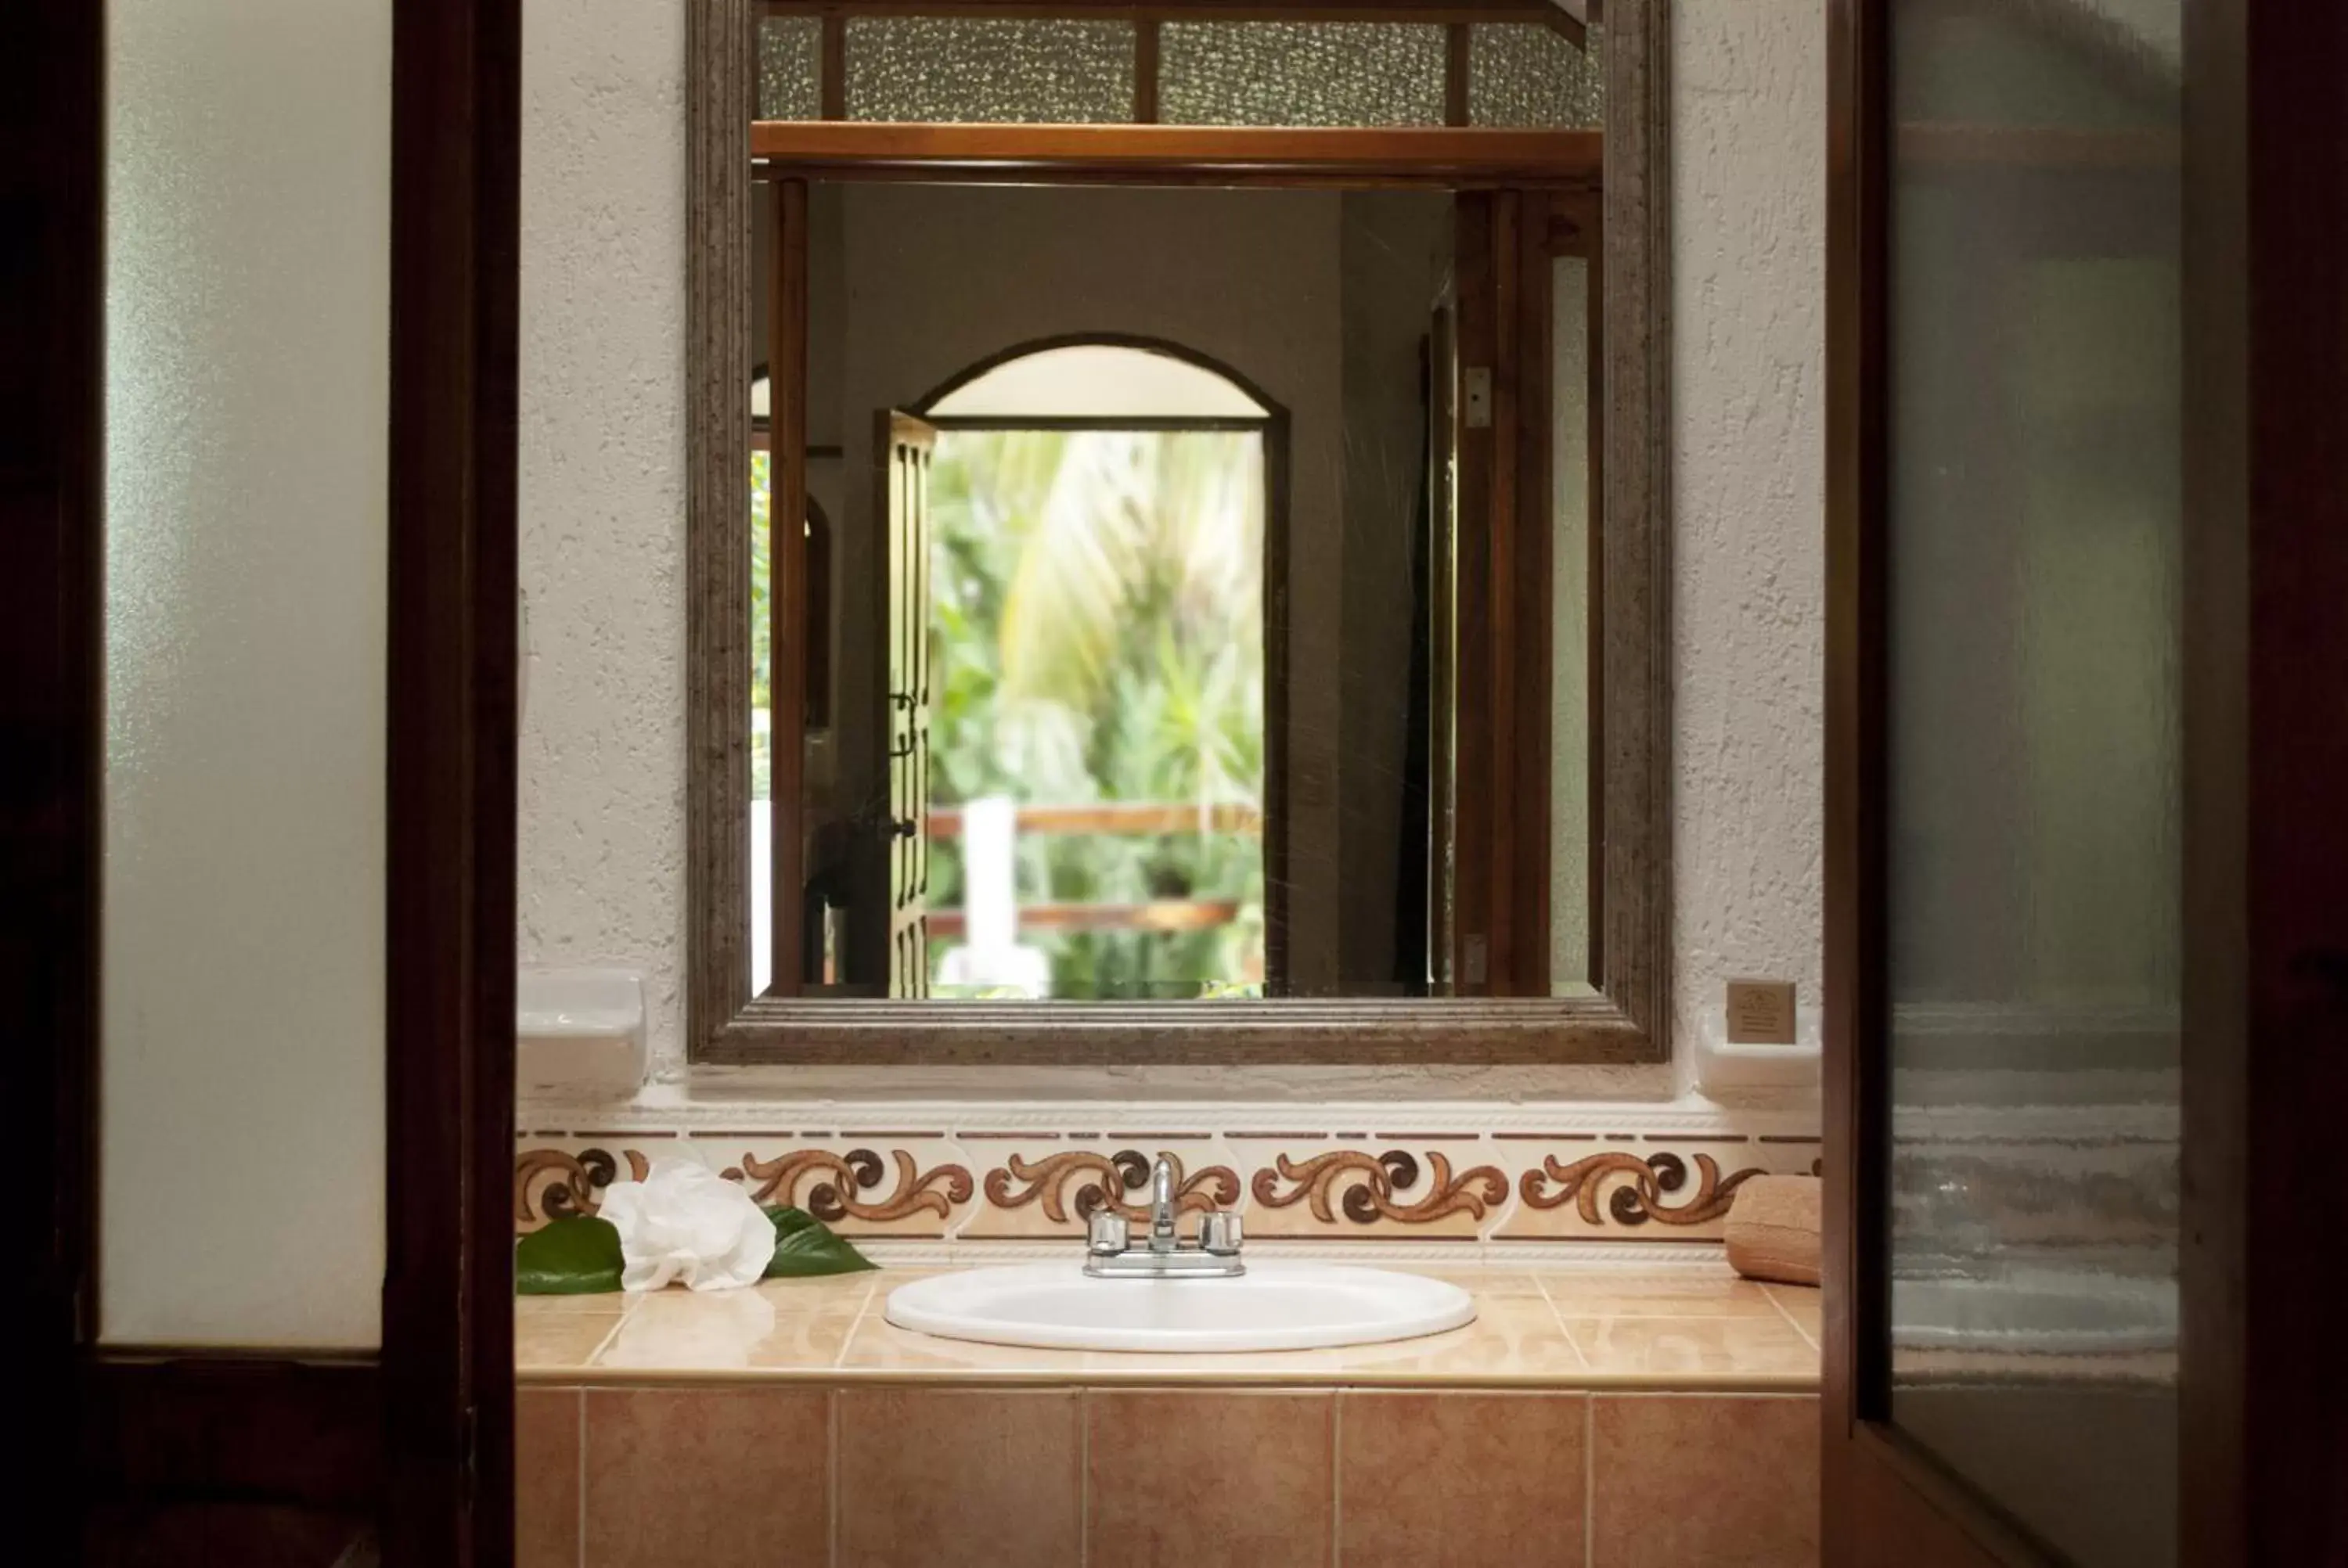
<point>577,1255</point>
<point>805,1247</point>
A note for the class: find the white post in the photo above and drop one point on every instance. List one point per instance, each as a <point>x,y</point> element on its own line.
<point>990,959</point>
<point>989,900</point>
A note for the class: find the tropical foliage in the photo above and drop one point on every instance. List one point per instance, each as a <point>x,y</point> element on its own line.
<point>1096,631</point>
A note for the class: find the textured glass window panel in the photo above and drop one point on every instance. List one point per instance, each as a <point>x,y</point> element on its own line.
<point>2034,933</point>
<point>951,70</point>
<point>1300,73</point>
<point>1522,75</point>
<point>791,55</point>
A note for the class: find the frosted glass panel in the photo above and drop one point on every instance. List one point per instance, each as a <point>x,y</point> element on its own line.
<point>955,70</point>
<point>1300,73</point>
<point>2036,521</point>
<point>791,55</point>
<point>1522,75</point>
<point>248,329</point>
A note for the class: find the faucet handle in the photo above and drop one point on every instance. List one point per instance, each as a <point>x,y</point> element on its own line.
<point>1105,1233</point>
<point>1221,1233</point>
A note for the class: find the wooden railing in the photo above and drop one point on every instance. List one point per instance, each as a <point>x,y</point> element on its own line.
<point>1118,817</point>
<point>1123,817</point>
<point>1158,915</point>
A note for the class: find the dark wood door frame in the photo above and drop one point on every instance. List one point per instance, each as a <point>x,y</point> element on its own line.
<point>52,433</point>
<point>447,1322</point>
<point>2263,1373</point>
<point>420,1437</point>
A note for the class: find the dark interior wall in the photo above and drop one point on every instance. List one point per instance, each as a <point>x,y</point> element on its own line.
<point>1393,250</point>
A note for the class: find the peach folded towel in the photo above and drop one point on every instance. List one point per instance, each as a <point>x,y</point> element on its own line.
<point>1773,1229</point>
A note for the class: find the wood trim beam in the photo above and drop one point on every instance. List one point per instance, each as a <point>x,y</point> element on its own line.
<point>456,271</point>
<point>1450,157</point>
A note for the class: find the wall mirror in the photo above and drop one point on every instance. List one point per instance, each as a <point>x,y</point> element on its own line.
<point>1176,535</point>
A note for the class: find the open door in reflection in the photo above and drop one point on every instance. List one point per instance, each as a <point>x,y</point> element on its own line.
<point>905,446</point>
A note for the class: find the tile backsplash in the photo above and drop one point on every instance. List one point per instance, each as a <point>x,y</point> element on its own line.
<point>1632,1177</point>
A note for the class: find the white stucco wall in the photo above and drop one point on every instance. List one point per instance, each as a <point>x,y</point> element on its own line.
<point>602,497</point>
<point>1748,218</point>
<point>602,494</point>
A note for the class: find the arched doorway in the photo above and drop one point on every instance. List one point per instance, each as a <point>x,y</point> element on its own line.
<point>1097,556</point>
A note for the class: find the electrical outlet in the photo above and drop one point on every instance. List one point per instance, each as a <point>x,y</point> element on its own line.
<point>1761,1012</point>
<point>1476,400</point>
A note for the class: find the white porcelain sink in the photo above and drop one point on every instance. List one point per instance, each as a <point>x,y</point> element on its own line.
<point>1275,1306</point>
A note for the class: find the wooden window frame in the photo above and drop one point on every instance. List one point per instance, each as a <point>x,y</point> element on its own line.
<point>1627,1018</point>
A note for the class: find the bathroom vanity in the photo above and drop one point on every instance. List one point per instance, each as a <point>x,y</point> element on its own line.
<point>1586,1414</point>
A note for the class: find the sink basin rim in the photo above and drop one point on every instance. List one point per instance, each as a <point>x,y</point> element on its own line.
<point>1394,1307</point>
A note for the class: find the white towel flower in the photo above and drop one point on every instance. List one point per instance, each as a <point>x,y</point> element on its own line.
<point>684,1222</point>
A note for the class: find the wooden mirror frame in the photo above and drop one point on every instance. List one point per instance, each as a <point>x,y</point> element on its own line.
<point>1627,1021</point>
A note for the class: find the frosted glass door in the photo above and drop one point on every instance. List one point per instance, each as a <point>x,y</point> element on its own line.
<point>2033,790</point>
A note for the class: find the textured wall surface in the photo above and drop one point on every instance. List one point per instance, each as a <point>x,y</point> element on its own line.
<point>603,518</point>
<point>1749,112</point>
<point>602,494</point>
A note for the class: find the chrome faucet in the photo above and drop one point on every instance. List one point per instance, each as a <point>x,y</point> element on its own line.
<point>1109,1251</point>
<point>1161,1205</point>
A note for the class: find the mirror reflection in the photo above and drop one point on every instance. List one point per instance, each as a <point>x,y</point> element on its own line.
<point>1189,597</point>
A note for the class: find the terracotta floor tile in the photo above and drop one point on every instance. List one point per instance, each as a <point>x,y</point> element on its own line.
<point>1511,1338</point>
<point>564,1339</point>
<point>1601,1293</point>
<point>1762,1350</point>
<point>546,1477</point>
<point>754,1329</point>
<point>1460,1479</point>
<point>1802,1302</point>
<point>1208,1479</point>
<point>678,1478</point>
<point>948,1478</point>
<point>879,1346</point>
<point>1720,1481</point>
<point>1484,1283</point>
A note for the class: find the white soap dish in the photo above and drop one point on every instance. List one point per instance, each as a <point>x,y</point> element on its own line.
<point>1725,1071</point>
<point>579,1032</point>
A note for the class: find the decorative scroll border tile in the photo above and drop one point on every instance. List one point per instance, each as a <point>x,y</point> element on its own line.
<point>1057,1183</point>
<point>1352,1188</point>
<point>833,1197</point>
<point>555,1184</point>
<point>1328,1179</point>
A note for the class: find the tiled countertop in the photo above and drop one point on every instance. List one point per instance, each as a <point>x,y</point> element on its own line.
<point>1566,1327</point>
